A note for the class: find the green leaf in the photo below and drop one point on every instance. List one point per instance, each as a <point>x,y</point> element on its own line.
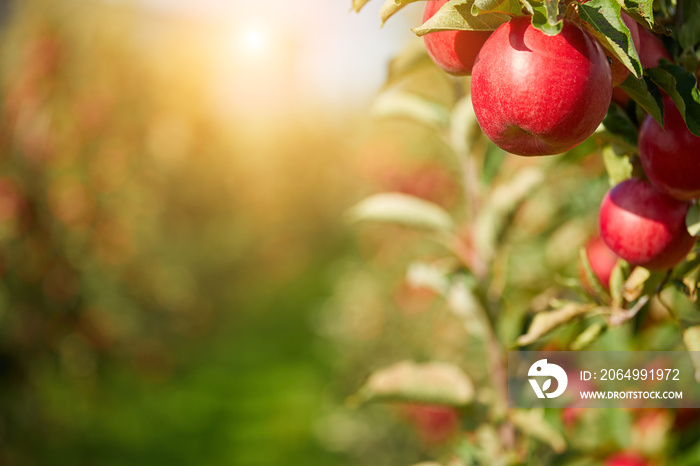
<point>411,59</point>
<point>553,22</point>
<point>457,15</point>
<point>464,303</point>
<point>545,16</point>
<point>501,203</point>
<point>692,220</point>
<point>691,280</point>
<point>619,143</point>
<point>602,18</point>
<point>653,284</point>
<point>464,128</point>
<point>689,33</point>
<point>509,7</point>
<point>545,322</point>
<point>616,426</point>
<point>617,282</point>
<point>647,95</point>
<point>489,450</point>
<point>402,209</point>
<point>681,86</point>
<point>619,167</point>
<point>641,9</point>
<point>358,4</point>
<point>689,456</point>
<point>467,453</point>
<point>395,103</point>
<point>431,276</point>
<point>487,5</point>
<point>390,7</point>
<point>688,266</point>
<point>617,122</point>
<point>533,423</point>
<point>407,381</point>
<point>691,338</point>
<point>588,336</point>
<point>592,278</point>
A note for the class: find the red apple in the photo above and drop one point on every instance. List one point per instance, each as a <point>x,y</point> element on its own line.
<point>620,71</point>
<point>627,459</point>
<point>536,94</point>
<point>602,261</point>
<point>453,51</point>
<point>671,156</point>
<point>651,48</point>
<point>645,226</point>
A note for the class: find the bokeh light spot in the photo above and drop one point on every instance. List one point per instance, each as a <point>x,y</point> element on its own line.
<point>254,41</point>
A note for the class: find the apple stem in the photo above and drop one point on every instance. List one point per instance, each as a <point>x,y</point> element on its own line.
<point>623,316</point>
<point>571,13</point>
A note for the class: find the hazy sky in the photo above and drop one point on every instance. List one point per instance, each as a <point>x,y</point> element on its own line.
<point>337,54</point>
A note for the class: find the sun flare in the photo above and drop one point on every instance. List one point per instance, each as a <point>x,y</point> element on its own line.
<point>254,41</point>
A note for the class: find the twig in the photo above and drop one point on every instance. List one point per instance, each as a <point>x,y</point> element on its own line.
<point>623,316</point>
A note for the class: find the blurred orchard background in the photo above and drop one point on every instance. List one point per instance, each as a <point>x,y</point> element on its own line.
<point>180,283</point>
<point>173,183</point>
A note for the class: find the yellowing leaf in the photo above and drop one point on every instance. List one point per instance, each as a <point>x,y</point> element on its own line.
<point>510,7</point>
<point>396,103</point>
<point>533,423</point>
<point>402,209</point>
<point>619,167</point>
<point>545,322</point>
<point>434,382</point>
<point>358,4</point>
<point>457,15</point>
<point>692,220</point>
<point>633,287</point>
<point>588,336</point>
<point>390,7</point>
<point>691,338</point>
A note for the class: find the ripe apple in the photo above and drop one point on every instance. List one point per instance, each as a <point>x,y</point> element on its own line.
<point>671,156</point>
<point>453,51</point>
<point>651,48</point>
<point>620,71</point>
<point>535,94</point>
<point>626,459</point>
<point>602,261</point>
<point>645,226</point>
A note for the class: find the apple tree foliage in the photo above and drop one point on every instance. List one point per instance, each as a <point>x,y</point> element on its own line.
<point>508,263</point>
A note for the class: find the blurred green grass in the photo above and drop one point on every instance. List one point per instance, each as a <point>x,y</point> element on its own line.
<point>161,262</point>
<point>248,395</point>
